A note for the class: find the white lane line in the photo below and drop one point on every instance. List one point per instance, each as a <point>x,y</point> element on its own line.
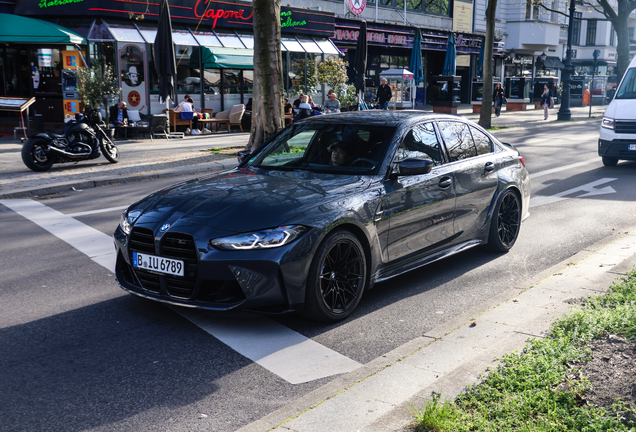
<point>277,348</point>
<point>590,189</point>
<point>563,168</point>
<point>91,212</point>
<point>284,352</point>
<point>98,246</point>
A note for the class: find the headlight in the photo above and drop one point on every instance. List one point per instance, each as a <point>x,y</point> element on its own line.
<point>265,239</point>
<point>608,123</point>
<point>128,219</point>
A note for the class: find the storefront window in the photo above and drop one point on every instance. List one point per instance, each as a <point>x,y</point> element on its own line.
<point>438,6</point>
<point>188,79</point>
<point>429,6</point>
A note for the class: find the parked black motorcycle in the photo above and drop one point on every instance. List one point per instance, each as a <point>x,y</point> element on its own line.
<point>82,140</point>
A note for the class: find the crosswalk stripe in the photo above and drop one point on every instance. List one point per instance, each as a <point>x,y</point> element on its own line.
<point>284,352</point>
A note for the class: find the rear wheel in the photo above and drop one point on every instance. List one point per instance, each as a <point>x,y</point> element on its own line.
<point>337,278</point>
<point>35,157</point>
<point>110,150</point>
<point>610,161</point>
<point>505,223</point>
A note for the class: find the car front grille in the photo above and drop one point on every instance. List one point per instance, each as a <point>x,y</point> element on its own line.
<point>627,127</point>
<point>180,246</point>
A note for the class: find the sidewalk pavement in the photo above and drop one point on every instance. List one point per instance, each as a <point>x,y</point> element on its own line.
<point>377,397</point>
<point>141,159</point>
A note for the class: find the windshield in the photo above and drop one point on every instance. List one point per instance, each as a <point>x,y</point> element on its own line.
<point>627,90</point>
<point>332,148</point>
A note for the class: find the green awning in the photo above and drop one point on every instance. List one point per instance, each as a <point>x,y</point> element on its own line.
<point>227,58</point>
<point>19,29</point>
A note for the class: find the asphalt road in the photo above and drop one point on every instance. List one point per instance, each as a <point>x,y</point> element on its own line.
<point>80,354</point>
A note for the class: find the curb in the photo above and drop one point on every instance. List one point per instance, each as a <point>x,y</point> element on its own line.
<point>315,410</point>
<point>118,179</point>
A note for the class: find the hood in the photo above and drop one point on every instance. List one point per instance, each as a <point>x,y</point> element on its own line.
<point>246,199</point>
<point>621,109</point>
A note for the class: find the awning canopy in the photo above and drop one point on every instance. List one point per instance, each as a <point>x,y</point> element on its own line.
<point>19,29</point>
<point>553,63</point>
<point>229,58</point>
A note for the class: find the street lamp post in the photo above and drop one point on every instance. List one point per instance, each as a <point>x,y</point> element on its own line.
<point>564,109</point>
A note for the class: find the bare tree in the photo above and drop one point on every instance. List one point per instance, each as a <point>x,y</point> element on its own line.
<point>486,102</point>
<point>267,106</point>
<point>618,17</point>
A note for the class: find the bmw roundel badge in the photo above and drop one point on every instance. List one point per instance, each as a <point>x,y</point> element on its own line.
<point>164,227</point>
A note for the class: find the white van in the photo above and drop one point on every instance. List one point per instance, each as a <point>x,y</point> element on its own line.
<point>618,130</point>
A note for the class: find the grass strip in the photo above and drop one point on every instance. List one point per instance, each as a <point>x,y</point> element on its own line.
<point>541,389</point>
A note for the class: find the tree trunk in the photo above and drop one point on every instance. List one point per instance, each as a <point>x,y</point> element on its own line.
<point>267,97</point>
<point>486,102</point>
<point>622,49</point>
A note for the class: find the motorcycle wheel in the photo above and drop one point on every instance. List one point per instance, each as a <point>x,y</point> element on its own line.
<point>35,157</point>
<point>110,150</point>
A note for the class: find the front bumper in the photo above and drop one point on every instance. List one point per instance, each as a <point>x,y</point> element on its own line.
<point>270,280</point>
<point>618,148</point>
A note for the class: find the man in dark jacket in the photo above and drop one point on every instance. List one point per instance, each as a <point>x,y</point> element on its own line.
<point>384,95</point>
<point>118,113</point>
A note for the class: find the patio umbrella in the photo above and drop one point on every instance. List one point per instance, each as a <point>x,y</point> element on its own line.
<point>415,65</point>
<point>449,61</point>
<point>165,62</point>
<point>360,61</point>
<point>480,62</point>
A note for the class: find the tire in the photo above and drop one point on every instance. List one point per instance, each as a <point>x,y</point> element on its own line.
<point>109,150</point>
<point>610,161</point>
<point>34,156</point>
<point>337,278</point>
<point>505,223</point>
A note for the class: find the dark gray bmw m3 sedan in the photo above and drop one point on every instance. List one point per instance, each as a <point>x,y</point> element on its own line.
<point>328,207</point>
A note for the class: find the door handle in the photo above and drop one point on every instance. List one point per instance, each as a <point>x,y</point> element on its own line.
<point>445,182</point>
<point>489,166</point>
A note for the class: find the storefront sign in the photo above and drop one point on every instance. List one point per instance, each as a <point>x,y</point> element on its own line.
<point>463,16</point>
<point>45,57</point>
<point>132,58</point>
<point>204,14</point>
<point>522,60</point>
<point>356,6</point>
<point>374,37</point>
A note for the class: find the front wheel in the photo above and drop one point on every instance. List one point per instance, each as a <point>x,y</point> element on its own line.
<point>110,150</point>
<point>337,278</point>
<point>35,156</point>
<point>505,223</point>
<point>610,161</point>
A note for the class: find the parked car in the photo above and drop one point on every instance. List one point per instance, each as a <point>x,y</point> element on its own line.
<point>617,138</point>
<point>329,207</point>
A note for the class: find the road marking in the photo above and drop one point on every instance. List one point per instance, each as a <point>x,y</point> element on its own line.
<point>275,347</point>
<point>284,352</point>
<point>563,168</point>
<point>98,246</point>
<point>91,212</point>
<point>590,188</point>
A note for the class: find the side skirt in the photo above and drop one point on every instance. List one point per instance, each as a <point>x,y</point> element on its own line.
<point>412,265</point>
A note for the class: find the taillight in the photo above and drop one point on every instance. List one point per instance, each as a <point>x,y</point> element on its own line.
<point>522,161</point>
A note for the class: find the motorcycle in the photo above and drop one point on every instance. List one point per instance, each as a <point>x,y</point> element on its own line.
<point>82,140</point>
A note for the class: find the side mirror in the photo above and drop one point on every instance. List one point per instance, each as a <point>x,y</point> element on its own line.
<point>412,166</point>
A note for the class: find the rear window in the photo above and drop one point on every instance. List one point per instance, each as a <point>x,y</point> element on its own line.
<point>627,90</point>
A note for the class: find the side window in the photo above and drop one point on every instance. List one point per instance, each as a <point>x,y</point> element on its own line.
<point>421,142</point>
<point>482,142</point>
<point>459,142</point>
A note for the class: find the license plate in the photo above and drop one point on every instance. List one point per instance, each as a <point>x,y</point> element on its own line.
<point>632,146</point>
<point>158,264</point>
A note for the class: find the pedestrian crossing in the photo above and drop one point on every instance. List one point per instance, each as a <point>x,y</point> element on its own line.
<point>282,351</point>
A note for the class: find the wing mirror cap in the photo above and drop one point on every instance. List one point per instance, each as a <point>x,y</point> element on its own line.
<point>413,166</point>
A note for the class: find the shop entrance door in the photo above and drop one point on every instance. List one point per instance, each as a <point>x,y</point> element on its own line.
<point>3,89</point>
<point>11,69</point>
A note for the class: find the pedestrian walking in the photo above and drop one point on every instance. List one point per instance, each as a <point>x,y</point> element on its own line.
<point>384,95</point>
<point>498,98</point>
<point>546,100</point>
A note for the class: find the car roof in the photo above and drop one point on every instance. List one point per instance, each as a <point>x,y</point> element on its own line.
<point>379,117</point>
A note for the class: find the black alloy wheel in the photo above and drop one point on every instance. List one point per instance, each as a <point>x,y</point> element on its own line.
<point>337,278</point>
<point>35,156</point>
<point>110,150</point>
<point>610,161</point>
<point>506,221</point>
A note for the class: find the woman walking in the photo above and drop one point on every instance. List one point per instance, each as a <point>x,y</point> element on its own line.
<point>498,98</point>
<point>546,100</point>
